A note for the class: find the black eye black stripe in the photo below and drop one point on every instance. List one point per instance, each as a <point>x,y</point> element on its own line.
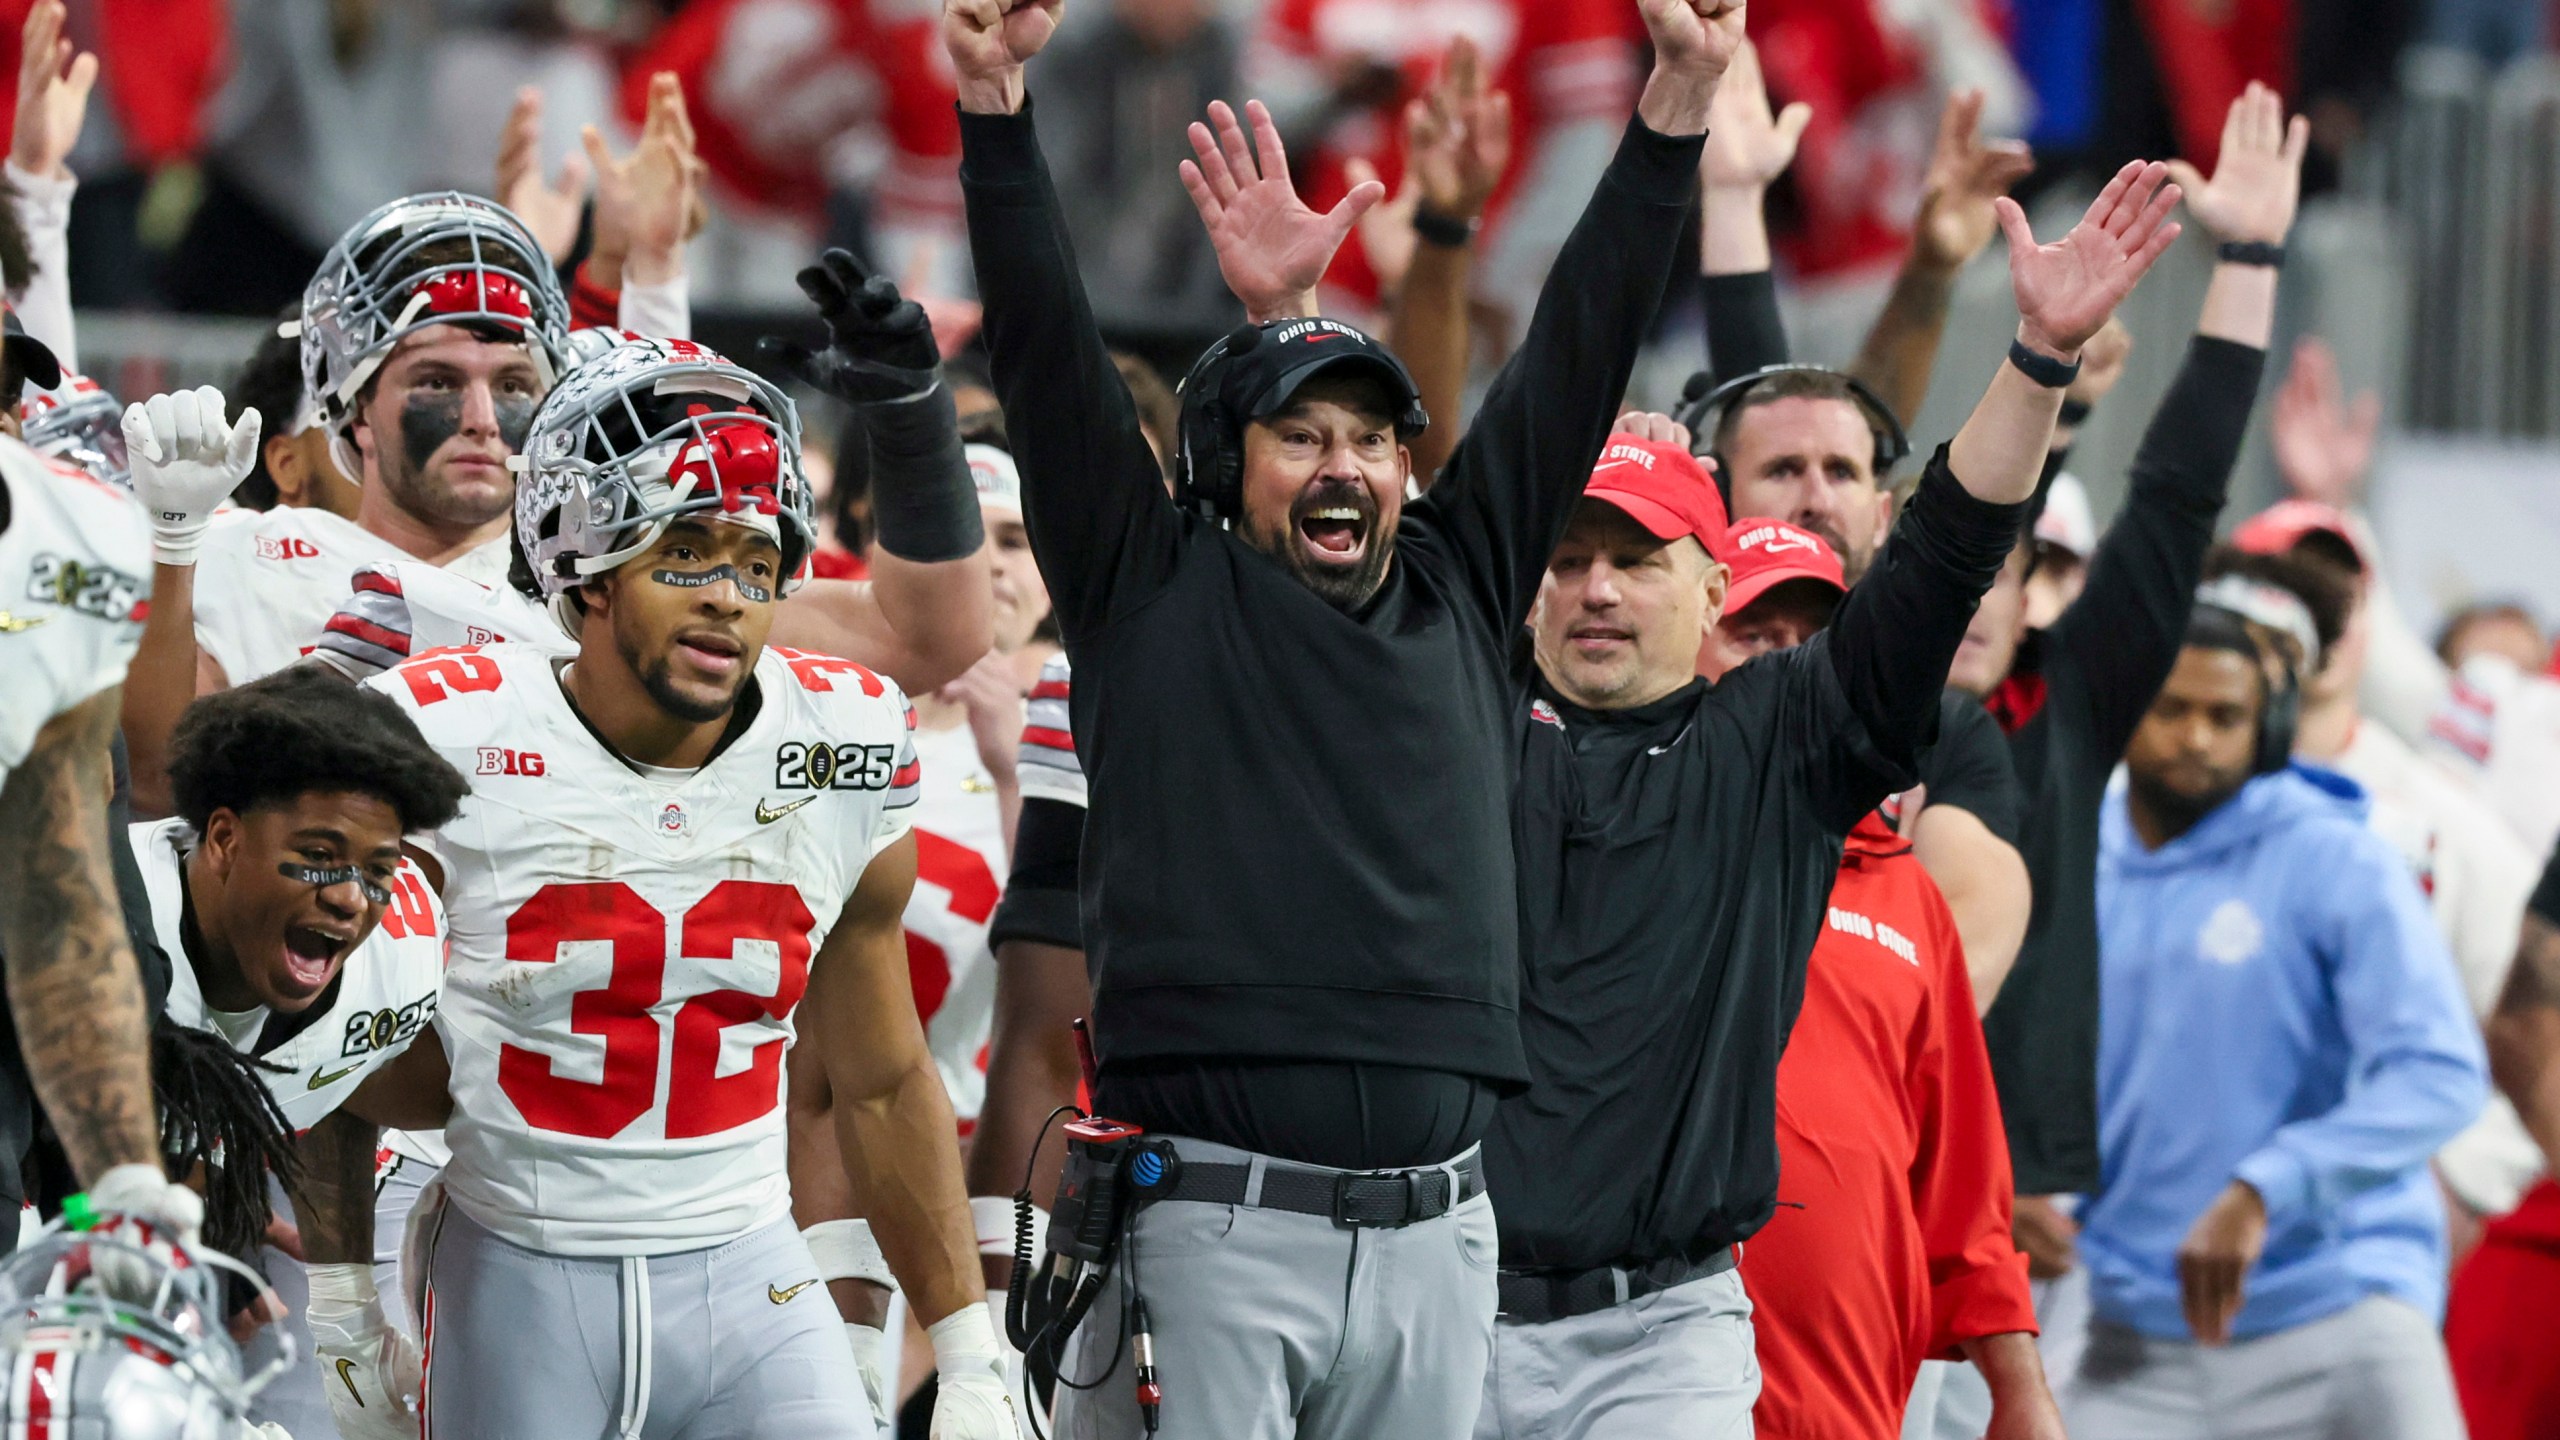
<point>321,877</point>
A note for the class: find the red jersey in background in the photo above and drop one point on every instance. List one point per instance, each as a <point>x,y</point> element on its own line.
<point>1891,1240</point>
<point>1560,60</point>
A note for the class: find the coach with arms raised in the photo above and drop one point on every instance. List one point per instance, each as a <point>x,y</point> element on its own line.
<point>1292,702</point>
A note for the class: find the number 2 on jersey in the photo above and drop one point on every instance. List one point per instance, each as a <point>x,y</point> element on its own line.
<point>700,1101</point>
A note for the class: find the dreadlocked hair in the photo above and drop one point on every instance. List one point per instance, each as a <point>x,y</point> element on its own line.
<point>218,1120</point>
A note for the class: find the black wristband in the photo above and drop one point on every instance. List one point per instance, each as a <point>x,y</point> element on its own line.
<point>2043,369</point>
<point>1439,229</point>
<point>2250,252</point>
<point>923,505</point>
<point>2073,412</point>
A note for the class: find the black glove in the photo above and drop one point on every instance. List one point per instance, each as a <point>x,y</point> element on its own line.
<point>880,348</point>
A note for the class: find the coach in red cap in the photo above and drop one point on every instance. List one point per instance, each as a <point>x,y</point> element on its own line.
<point>1892,1243</point>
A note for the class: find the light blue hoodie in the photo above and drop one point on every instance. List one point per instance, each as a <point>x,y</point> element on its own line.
<point>2276,1007</point>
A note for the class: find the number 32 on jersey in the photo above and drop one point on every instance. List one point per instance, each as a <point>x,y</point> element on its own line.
<point>700,1100</point>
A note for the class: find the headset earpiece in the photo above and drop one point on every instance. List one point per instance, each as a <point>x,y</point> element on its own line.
<point>2278,722</point>
<point>1209,467</point>
<point>1704,404</point>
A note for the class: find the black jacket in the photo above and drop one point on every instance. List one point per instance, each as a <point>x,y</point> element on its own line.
<point>1297,847</point>
<point>1675,861</point>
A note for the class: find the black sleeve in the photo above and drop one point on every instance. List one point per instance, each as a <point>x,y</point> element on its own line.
<point>2546,895</point>
<point>1895,634</point>
<point>1511,484</point>
<point>1744,332</point>
<point>2123,633</point>
<point>1968,768</point>
<point>1102,527</point>
<point>1040,895</point>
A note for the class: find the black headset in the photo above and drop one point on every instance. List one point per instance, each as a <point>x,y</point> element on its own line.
<point>1208,467</point>
<point>1703,405</point>
<point>2280,716</point>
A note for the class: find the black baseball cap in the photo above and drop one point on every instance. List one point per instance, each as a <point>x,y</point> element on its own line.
<point>35,360</point>
<point>1264,372</point>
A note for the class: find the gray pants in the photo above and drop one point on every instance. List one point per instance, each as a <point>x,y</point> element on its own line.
<point>1680,1362</point>
<point>1275,1326</point>
<point>2374,1371</point>
<point>738,1342</point>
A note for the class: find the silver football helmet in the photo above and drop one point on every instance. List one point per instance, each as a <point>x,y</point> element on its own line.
<point>647,431</point>
<point>592,342</point>
<point>106,1337</point>
<point>80,423</point>
<point>438,259</point>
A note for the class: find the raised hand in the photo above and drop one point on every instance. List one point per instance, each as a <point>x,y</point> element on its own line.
<point>989,41</point>
<point>1271,247</point>
<point>1694,41</point>
<point>2257,177</point>
<point>2323,443</point>
<point>1457,136</point>
<point>2066,290</point>
<point>1747,147</point>
<point>880,348</point>
<point>186,461</point>
<point>53,93</point>
<point>645,200</point>
<point>1966,174</point>
<point>550,209</point>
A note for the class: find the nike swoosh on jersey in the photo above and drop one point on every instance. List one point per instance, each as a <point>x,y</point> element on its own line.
<point>783,1297</point>
<point>12,624</point>
<point>766,815</point>
<point>327,1078</point>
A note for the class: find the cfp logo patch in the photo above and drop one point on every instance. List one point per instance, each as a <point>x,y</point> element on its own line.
<point>96,590</point>
<point>818,766</point>
<point>371,1030</point>
<point>495,760</point>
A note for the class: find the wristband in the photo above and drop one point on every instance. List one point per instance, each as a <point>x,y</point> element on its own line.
<point>348,1286</point>
<point>923,504</point>
<point>2043,369</point>
<point>992,1217</point>
<point>2074,412</point>
<point>845,1250</point>
<point>2250,252</point>
<point>1439,229</point>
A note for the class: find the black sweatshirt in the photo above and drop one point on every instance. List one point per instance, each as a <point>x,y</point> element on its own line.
<point>2073,701</point>
<point>1675,862</point>
<point>1297,847</point>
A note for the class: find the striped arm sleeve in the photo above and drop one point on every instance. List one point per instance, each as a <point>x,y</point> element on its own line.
<point>1049,768</point>
<point>372,630</point>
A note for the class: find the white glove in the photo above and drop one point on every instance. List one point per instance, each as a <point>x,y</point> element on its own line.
<point>973,1403</point>
<point>136,1205</point>
<point>866,1341</point>
<point>250,1430</point>
<point>186,461</point>
<point>368,1367</point>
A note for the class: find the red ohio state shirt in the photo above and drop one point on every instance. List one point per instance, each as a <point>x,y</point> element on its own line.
<point>1891,1240</point>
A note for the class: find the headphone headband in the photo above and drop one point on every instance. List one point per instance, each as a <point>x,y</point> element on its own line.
<point>1702,400</point>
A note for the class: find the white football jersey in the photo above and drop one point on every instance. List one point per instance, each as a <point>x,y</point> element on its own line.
<point>268,581</point>
<point>960,870</point>
<point>75,577</point>
<point>627,947</point>
<point>400,608</point>
<point>383,998</point>
<point>2500,728</point>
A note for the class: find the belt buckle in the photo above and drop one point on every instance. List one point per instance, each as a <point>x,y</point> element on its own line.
<point>1377,1206</point>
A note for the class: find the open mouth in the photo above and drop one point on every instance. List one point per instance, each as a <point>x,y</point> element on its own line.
<point>711,652</point>
<point>310,955</point>
<point>1335,534</point>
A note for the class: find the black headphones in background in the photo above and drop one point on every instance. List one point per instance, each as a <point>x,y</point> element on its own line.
<point>2279,719</point>
<point>1208,466</point>
<point>1703,405</point>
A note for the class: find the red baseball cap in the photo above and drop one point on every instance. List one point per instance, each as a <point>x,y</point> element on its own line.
<point>2281,526</point>
<point>1768,553</point>
<point>1662,488</point>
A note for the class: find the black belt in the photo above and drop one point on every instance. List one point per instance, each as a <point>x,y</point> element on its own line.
<point>1535,1297</point>
<point>1353,1199</point>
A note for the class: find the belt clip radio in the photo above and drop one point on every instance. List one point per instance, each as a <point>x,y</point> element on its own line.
<point>1112,1171</point>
